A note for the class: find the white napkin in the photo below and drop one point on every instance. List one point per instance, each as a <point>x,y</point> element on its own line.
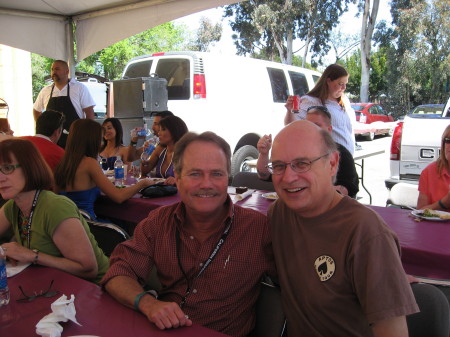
<point>62,311</point>
<point>242,196</point>
<point>13,270</point>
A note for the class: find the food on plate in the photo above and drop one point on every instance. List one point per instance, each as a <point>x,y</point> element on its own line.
<point>241,189</point>
<point>270,196</point>
<point>429,213</point>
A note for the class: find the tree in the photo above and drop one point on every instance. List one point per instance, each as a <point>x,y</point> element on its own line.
<point>368,25</point>
<point>272,25</point>
<point>343,43</point>
<point>206,35</point>
<point>111,61</point>
<point>417,50</point>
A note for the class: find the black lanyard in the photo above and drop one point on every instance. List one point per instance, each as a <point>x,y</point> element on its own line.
<point>30,218</point>
<point>207,262</point>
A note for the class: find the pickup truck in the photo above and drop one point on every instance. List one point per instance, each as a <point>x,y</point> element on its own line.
<point>416,142</point>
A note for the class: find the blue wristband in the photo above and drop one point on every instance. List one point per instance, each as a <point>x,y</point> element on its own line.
<point>138,297</point>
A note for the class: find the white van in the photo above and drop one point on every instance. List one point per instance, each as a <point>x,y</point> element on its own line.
<point>238,98</point>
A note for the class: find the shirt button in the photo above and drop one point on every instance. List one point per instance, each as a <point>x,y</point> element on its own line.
<point>194,291</point>
<point>201,264</point>
<point>192,238</point>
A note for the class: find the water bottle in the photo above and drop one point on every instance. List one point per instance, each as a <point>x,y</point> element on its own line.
<point>4,290</point>
<point>145,132</point>
<point>119,172</point>
<point>149,147</point>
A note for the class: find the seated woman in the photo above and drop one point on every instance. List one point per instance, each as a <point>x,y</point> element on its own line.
<point>434,182</point>
<point>5,129</point>
<point>48,228</point>
<point>79,175</point>
<point>172,128</point>
<point>112,145</point>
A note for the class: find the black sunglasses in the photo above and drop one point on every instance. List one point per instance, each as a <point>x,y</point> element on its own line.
<point>42,293</point>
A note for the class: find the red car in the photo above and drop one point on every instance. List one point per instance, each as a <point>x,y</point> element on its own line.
<point>369,113</point>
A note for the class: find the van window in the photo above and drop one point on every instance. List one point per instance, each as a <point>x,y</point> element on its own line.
<point>299,83</point>
<point>315,78</point>
<point>279,85</point>
<point>177,74</point>
<point>138,69</point>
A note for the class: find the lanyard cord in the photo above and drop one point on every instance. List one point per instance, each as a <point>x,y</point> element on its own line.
<point>30,218</point>
<point>208,261</point>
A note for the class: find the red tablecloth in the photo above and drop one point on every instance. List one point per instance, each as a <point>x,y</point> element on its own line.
<point>425,245</point>
<point>97,312</point>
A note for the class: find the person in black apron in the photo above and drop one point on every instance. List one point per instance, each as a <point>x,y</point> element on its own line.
<point>64,105</point>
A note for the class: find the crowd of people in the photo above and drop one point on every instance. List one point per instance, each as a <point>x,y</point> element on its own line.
<point>337,263</point>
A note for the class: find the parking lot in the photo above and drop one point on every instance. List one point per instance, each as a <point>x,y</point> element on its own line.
<point>376,170</point>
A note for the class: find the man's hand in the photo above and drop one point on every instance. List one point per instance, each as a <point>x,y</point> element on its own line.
<point>164,315</point>
<point>264,144</point>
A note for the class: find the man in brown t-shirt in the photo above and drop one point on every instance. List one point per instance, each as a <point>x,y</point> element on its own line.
<point>338,262</point>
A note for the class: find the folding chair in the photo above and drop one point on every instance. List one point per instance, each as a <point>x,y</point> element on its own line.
<point>251,180</point>
<point>108,235</point>
<point>403,195</point>
<point>270,319</point>
<point>433,320</point>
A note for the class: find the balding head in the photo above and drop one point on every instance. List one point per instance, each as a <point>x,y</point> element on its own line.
<point>310,157</point>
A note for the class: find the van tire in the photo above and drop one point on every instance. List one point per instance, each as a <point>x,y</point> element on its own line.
<point>247,152</point>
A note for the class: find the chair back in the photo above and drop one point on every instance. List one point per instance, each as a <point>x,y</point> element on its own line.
<point>251,180</point>
<point>433,320</point>
<point>108,235</point>
<point>270,319</point>
<point>403,195</point>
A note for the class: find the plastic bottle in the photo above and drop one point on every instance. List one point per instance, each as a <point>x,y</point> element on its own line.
<point>4,290</point>
<point>149,147</point>
<point>145,131</point>
<point>119,172</point>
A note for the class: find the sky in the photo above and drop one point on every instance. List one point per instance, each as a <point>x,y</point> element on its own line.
<point>349,25</point>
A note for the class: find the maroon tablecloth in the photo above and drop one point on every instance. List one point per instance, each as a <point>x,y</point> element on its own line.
<point>97,312</point>
<point>425,244</point>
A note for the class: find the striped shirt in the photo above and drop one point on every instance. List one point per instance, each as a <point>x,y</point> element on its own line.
<point>223,296</point>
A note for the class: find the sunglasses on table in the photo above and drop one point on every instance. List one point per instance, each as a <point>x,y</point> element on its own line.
<point>48,293</point>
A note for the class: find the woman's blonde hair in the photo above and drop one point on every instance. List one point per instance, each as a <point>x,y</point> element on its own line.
<point>442,162</point>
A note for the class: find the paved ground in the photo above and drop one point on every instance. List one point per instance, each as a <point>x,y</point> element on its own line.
<point>376,170</point>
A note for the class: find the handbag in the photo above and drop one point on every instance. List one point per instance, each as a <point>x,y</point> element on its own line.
<point>158,191</point>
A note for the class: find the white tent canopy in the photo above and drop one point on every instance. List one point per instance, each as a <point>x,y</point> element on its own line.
<point>49,27</point>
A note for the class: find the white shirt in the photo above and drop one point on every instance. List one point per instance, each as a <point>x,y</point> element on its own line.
<point>342,120</point>
<point>79,96</point>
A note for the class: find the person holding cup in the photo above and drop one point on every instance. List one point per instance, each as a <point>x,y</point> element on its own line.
<point>329,92</point>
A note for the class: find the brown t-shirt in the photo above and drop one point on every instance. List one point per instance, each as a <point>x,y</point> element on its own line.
<point>339,272</point>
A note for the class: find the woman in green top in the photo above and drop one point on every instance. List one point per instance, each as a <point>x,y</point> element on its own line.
<point>48,228</point>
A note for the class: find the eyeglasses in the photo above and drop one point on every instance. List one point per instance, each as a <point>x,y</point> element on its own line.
<point>8,168</point>
<point>298,165</point>
<point>42,293</point>
<point>447,140</point>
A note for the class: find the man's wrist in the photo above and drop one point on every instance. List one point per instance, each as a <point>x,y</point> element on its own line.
<point>138,298</point>
<point>132,143</point>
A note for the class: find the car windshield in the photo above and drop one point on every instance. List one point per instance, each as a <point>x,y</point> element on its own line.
<point>428,110</point>
<point>357,107</point>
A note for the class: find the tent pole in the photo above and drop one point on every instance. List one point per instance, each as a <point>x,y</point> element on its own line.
<point>70,47</point>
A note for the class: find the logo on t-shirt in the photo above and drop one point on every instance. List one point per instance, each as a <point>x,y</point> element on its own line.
<point>324,267</point>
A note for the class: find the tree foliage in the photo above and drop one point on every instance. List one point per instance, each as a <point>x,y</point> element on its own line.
<point>270,26</point>
<point>418,52</point>
<point>207,34</point>
<point>111,61</point>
